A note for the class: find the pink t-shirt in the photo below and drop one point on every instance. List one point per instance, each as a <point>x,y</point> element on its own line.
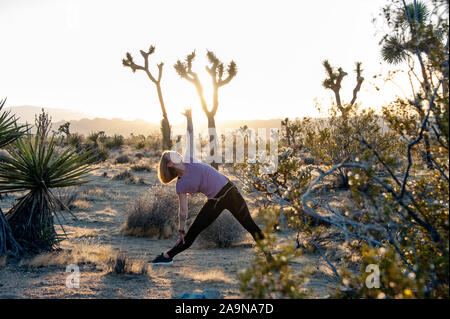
<point>200,178</point>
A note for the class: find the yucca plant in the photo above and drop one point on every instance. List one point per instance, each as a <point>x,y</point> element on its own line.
<point>9,132</point>
<point>38,167</point>
<point>9,129</point>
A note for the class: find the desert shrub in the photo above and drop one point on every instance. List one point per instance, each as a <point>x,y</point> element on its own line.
<point>154,144</point>
<point>290,175</point>
<point>81,204</point>
<point>67,196</point>
<point>122,159</point>
<point>123,175</point>
<point>223,232</point>
<point>136,141</point>
<point>75,139</point>
<point>119,264</point>
<point>154,214</point>
<point>272,277</point>
<point>397,179</point>
<point>309,161</point>
<point>93,137</point>
<point>140,145</point>
<point>141,168</point>
<point>99,154</point>
<point>128,178</point>
<point>116,141</point>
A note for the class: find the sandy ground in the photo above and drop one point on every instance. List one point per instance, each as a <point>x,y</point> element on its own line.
<point>99,218</point>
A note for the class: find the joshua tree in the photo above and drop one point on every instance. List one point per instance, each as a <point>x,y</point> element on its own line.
<point>340,143</point>
<point>129,62</point>
<point>216,70</point>
<point>334,80</point>
<point>415,38</point>
<point>9,132</point>
<point>36,166</point>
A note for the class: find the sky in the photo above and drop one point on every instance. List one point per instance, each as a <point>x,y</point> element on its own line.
<point>68,54</point>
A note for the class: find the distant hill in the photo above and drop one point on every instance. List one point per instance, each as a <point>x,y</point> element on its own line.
<point>26,113</point>
<point>126,127</point>
<point>110,126</point>
<point>81,123</point>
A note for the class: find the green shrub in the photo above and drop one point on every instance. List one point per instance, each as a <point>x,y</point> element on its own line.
<point>116,141</point>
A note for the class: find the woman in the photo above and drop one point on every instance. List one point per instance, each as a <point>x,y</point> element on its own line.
<point>196,177</point>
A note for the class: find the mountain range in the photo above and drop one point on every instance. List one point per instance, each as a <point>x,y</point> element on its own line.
<point>82,124</point>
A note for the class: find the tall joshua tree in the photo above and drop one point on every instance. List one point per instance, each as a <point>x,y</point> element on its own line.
<point>129,62</point>
<point>216,70</point>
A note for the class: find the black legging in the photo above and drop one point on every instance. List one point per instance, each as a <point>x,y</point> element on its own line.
<point>232,201</point>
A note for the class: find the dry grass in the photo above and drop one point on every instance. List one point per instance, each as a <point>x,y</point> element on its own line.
<point>85,233</point>
<point>68,195</point>
<point>104,257</point>
<point>213,275</point>
<point>81,253</point>
<point>81,204</point>
<point>152,215</point>
<point>93,193</point>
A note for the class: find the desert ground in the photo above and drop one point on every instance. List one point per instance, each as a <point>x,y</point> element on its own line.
<point>94,236</point>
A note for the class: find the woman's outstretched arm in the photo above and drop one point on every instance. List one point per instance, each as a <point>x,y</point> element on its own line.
<point>190,134</point>
<point>182,213</point>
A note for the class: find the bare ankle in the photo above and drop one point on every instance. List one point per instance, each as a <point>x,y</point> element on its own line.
<point>167,256</point>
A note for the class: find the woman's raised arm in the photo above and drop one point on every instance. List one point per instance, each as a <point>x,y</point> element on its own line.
<point>190,134</point>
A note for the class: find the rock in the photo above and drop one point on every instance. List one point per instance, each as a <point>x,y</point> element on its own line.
<point>206,294</point>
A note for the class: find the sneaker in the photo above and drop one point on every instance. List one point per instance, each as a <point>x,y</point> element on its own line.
<point>161,260</point>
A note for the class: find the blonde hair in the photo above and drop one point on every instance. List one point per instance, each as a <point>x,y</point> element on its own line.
<point>166,174</point>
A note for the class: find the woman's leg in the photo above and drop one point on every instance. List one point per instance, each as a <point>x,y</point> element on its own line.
<point>235,203</point>
<point>205,217</point>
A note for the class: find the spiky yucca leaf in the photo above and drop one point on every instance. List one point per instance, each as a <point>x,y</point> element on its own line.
<point>393,50</point>
<point>9,130</point>
<point>416,13</point>
<point>33,165</point>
